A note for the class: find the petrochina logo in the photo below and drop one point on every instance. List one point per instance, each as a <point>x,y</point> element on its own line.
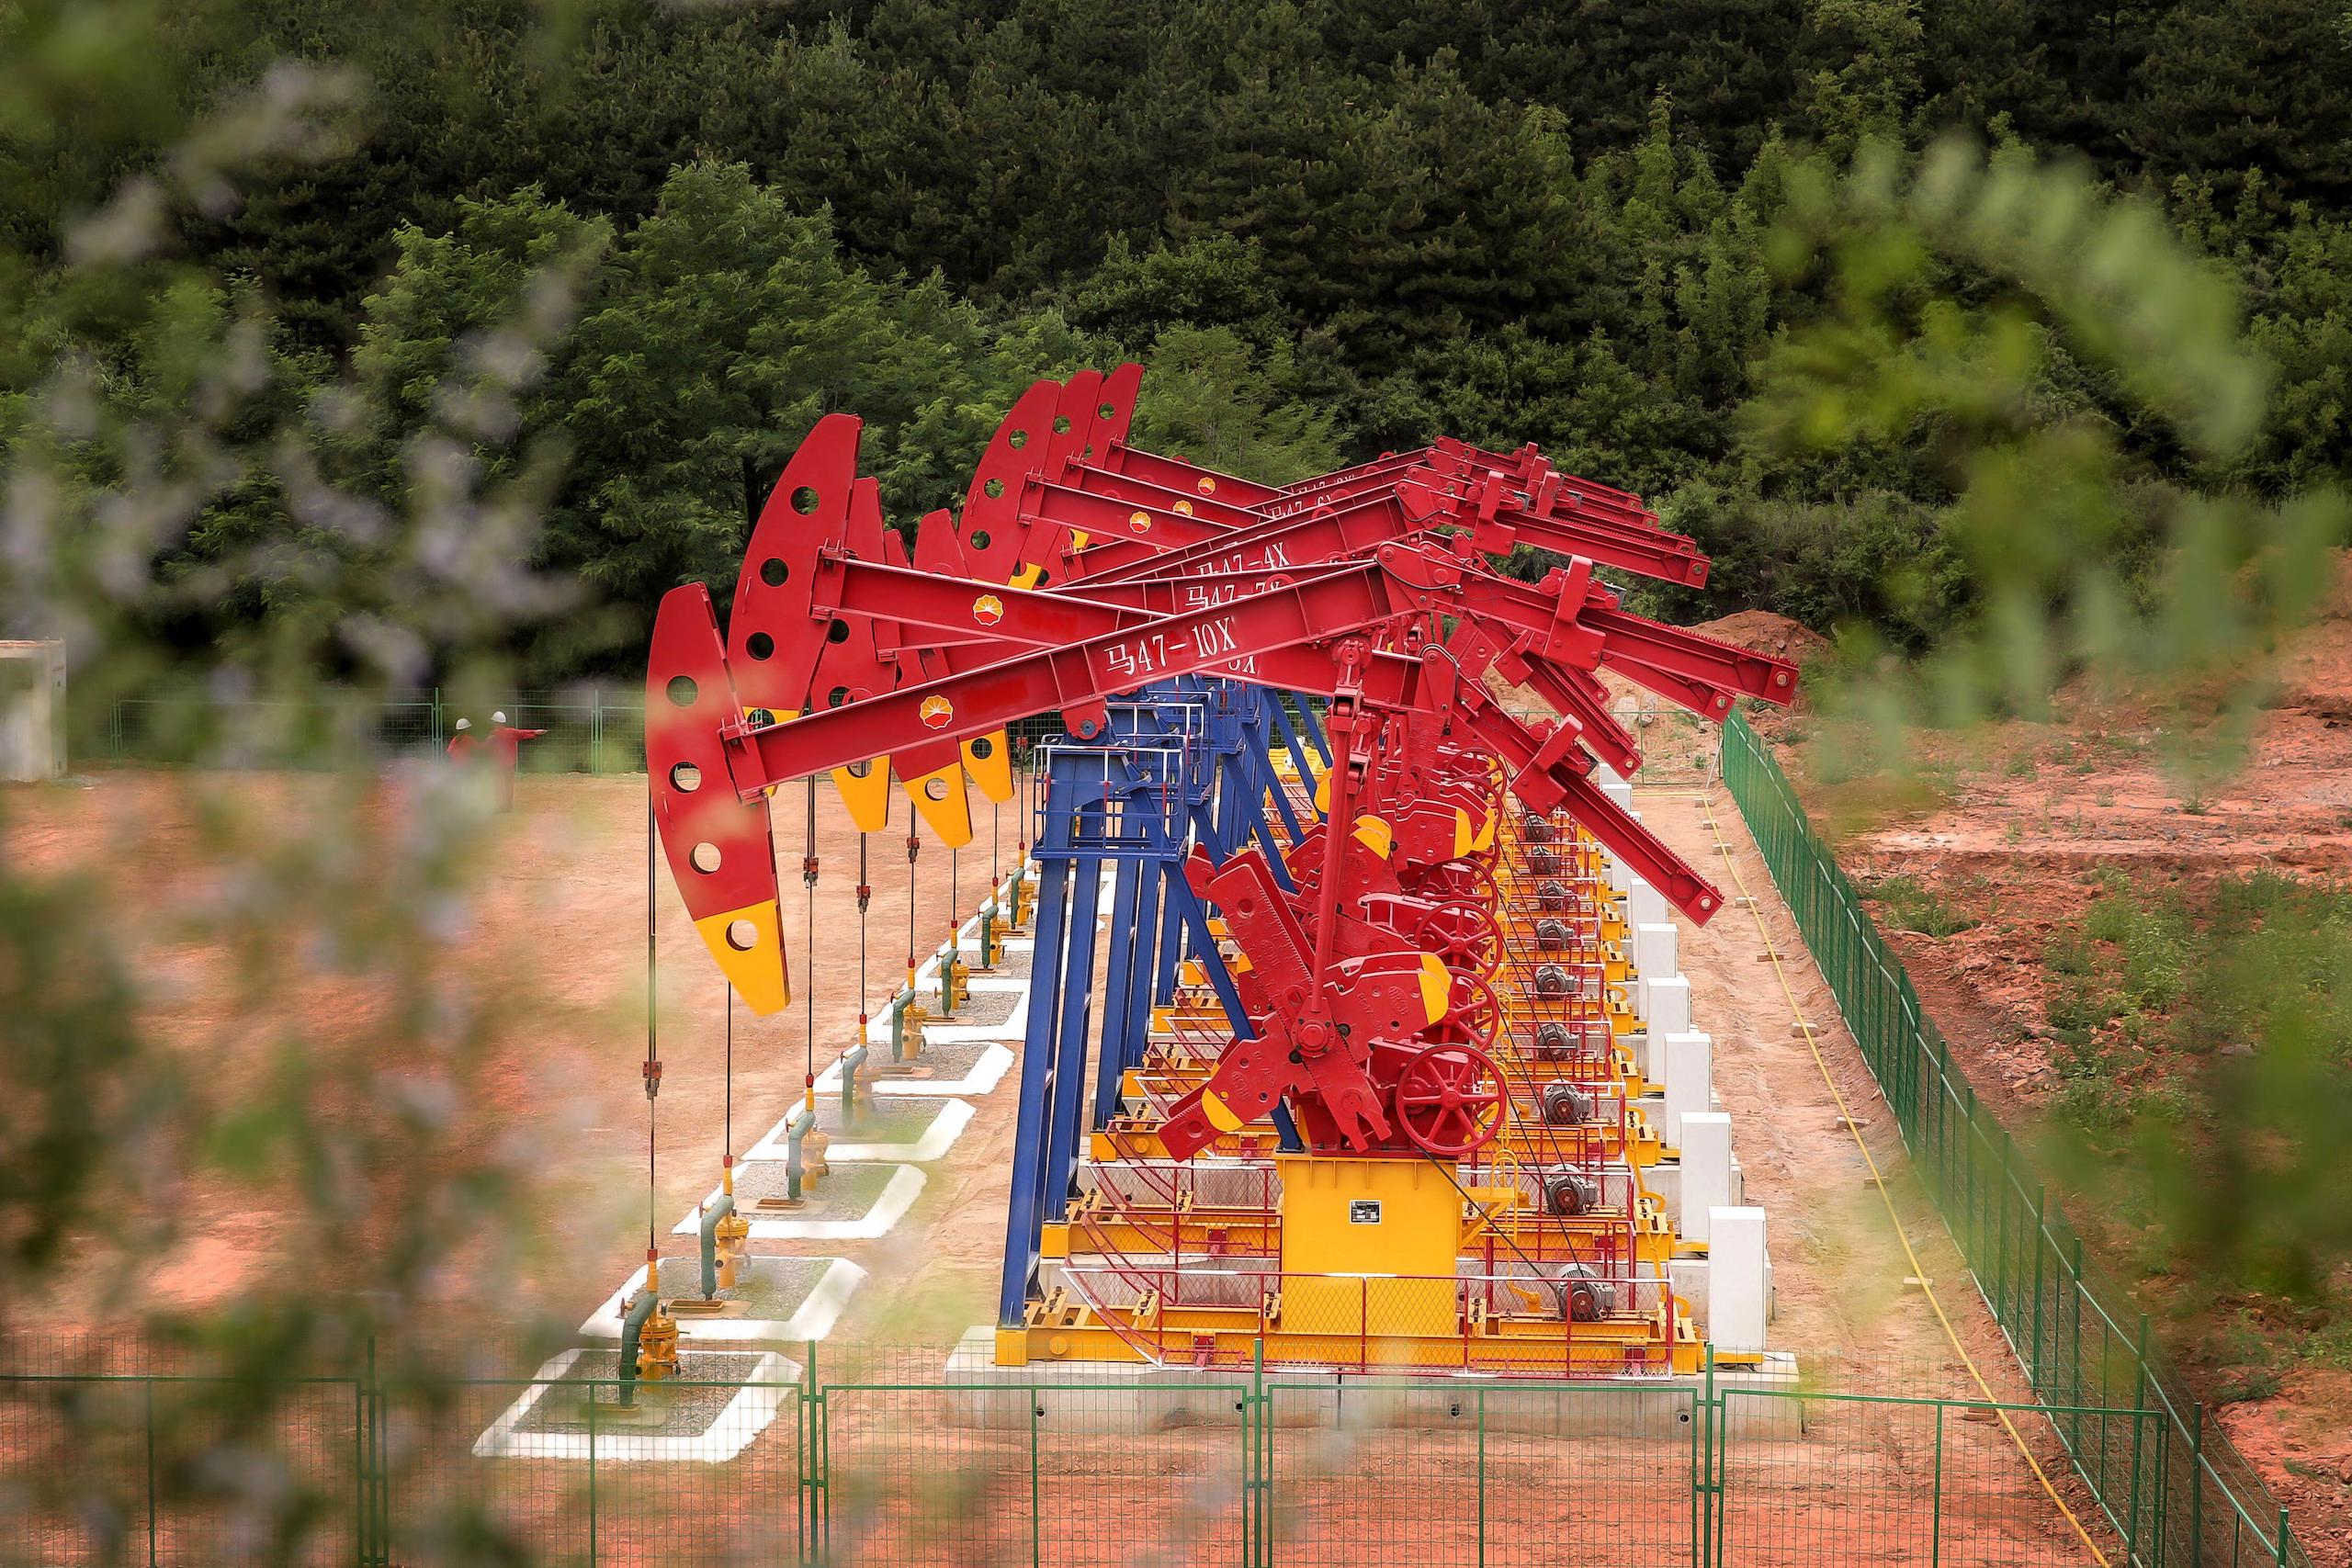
<point>1140,521</point>
<point>987,609</point>
<point>935,712</point>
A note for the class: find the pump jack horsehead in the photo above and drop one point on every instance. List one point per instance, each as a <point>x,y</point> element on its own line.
<point>1080,569</point>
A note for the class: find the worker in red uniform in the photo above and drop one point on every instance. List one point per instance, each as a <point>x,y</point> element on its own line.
<point>504,750</point>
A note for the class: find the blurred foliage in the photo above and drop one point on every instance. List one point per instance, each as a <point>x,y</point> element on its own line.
<point>2204,1043</point>
<point>373,347</point>
<point>1591,226</point>
<point>2016,329</point>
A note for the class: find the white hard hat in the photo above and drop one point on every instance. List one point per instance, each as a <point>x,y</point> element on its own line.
<point>498,719</point>
<point>465,723</point>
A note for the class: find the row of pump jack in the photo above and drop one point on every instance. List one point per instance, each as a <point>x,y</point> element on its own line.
<point>1333,1054</point>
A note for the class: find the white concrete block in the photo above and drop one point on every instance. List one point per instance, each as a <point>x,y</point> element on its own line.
<point>1645,905</point>
<point>1620,873</point>
<point>1617,789</point>
<point>1689,1277</point>
<point>1738,1287</point>
<point>1690,1079</point>
<point>1657,954</point>
<point>1669,1008</point>
<point>1705,1179</point>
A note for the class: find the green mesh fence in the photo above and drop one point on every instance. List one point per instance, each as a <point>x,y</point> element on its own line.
<point>752,1457</point>
<point>2168,1479</point>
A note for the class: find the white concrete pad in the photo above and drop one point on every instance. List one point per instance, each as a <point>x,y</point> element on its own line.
<point>815,1317</point>
<point>986,1073</point>
<point>899,1195</point>
<point>743,1417</point>
<point>953,1116</point>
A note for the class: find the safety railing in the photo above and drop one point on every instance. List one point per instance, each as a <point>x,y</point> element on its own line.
<point>2174,1485</point>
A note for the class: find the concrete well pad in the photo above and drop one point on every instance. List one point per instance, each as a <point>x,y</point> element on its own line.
<point>945,1066</point>
<point>906,1127</point>
<point>784,1300</point>
<point>849,1202</point>
<point>707,1424</point>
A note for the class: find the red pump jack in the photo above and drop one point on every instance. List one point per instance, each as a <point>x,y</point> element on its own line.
<point>818,680</point>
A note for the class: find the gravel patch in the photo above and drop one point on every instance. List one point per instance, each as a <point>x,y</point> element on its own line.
<point>683,1411</point>
<point>897,1119</point>
<point>949,1062</point>
<point>990,1008</point>
<point>843,1193</point>
<point>771,1289</point>
<point>1009,965</point>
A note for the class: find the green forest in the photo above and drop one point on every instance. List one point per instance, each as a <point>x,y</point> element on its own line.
<point>582,269</point>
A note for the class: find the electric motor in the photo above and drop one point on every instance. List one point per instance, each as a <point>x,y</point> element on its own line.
<point>1552,1041</point>
<point>1570,1192</point>
<point>1551,935</point>
<point>1544,863</point>
<point>1588,1298</point>
<point>1566,1105</point>
<point>1551,896</point>
<point>1551,980</point>
<point>1538,829</point>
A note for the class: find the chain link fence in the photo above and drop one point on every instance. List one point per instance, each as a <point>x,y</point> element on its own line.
<point>2167,1480</point>
<point>752,1457</point>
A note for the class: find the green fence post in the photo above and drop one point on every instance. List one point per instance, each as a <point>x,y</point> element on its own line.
<point>148,1389</point>
<point>2075,1397</point>
<point>2138,1424</point>
<point>362,1501</point>
<point>2041,1246</point>
<point>591,1475</point>
<point>1482,1478</point>
<point>2197,1484</point>
<point>1936,1516</point>
<point>1037,1508</point>
<point>1262,1458</point>
<point>818,1449</point>
<point>2163,1485</point>
<point>1709,1549</point>
<point>2286,1551</point>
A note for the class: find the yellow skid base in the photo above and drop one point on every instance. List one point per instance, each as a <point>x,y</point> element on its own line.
<point>1216,1236</point>
<point>1228,1338</point>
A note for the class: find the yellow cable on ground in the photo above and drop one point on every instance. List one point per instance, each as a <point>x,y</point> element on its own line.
<point>1853,1127</point>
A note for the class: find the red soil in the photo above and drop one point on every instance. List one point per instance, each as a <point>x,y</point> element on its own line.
<point>2013,825</point>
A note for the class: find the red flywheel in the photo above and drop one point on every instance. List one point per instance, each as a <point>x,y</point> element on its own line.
<point>1449,1099</point>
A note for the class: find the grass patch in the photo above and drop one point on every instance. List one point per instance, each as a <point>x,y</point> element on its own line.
<point>1908,904</point>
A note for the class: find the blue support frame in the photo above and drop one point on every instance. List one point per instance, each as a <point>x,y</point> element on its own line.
<point>1182,762</point>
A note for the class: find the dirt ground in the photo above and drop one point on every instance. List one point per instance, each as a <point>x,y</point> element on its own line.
<point>559,918</point>
<point>2019,827</point>
<point>556,925</point>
